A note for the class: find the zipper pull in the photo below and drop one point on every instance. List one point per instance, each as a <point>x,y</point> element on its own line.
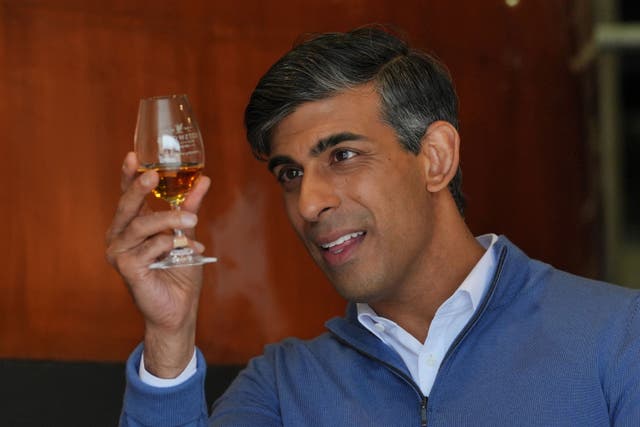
<point>423,412</point>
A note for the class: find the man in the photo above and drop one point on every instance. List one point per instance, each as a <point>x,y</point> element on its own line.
<point>442,329</point>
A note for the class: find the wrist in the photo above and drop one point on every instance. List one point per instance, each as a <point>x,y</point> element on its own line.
<point>154,381</point>
<point>167,354</point>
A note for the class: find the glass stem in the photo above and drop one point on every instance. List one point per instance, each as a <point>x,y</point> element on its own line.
<point>179,239</point>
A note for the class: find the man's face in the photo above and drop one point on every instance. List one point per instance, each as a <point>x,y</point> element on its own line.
<point>355,196</point>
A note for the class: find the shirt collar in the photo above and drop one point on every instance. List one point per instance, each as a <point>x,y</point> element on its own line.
<point>477,281</point>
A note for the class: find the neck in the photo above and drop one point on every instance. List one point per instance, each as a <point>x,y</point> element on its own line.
<point>451,256</point>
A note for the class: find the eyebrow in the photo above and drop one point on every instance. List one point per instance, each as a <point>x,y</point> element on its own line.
<point>332,140</point>
<point>321,146</point>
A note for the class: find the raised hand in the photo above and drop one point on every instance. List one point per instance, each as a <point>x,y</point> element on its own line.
<point>168,299</point>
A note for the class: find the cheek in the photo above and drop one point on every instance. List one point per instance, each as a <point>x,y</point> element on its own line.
<point>403,202</point>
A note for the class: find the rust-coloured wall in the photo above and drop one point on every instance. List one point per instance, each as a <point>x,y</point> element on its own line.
<point>71,74</point>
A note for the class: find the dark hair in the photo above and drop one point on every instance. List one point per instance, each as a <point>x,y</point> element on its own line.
<point>415,89</point>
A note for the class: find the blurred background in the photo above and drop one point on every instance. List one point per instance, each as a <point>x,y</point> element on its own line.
<point>550,126</point>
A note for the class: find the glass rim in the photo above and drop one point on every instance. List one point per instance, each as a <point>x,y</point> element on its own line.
<point>158,97</point>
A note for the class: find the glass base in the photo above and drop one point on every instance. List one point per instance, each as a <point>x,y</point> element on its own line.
<point>183,257</point>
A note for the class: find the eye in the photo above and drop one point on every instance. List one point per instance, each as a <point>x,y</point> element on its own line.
<point>343,154</point>
<point>288,174</point>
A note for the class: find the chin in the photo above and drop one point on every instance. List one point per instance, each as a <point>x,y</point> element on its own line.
<point>356,294</point>
<point>353,285</point>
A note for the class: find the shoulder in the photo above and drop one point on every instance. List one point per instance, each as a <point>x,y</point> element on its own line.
<point>526,280</point>
<point>534,293</point>
<point>569,291</point>
<point>575,310</point>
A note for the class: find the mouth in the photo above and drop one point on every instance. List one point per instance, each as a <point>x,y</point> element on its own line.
<point>339,250</point>
<point>337,245</point>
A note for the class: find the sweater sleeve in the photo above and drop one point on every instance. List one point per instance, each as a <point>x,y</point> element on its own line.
<point>622,385</point>
<point>180,405</point>
<point>252,398</point>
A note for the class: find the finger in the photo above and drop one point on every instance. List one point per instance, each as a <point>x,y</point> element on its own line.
<point>144,230</point>
<point>150,251</point>
<point>194,199</point>
<point>196,194</point>
<point>143,227</point>
<point>196,246</point>
<point>132,201</point>
<point>144,254</point>
<point>129,168</point>
<point>160,245</point>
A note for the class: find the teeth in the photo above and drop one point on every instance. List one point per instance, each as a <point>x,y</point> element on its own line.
<point>342,239</point>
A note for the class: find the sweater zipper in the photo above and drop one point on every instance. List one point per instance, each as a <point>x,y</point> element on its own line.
<point>424,400</point>
<point>480,310</point>
<point>423,412</point>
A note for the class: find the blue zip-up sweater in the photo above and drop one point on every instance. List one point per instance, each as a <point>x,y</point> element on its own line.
<point>544,348</point>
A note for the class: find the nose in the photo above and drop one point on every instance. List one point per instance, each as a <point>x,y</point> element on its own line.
<point>317,195</point>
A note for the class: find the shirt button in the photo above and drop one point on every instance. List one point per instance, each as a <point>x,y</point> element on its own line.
<point>431,361</point>
<point>379,327</point>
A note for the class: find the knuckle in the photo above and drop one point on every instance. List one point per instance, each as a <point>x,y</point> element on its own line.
<point>112,255</point>
<point>136,225</point>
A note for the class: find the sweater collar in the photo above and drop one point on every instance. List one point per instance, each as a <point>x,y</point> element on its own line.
<point>510,277</point>
<point>348,330</point>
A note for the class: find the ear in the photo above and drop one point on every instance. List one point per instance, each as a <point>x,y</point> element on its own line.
<point>441,149</point>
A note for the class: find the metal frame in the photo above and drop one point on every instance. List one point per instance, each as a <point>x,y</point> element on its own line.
<point>609,39</point>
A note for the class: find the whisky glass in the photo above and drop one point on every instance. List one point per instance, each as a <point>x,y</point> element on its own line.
<point>168,141</point>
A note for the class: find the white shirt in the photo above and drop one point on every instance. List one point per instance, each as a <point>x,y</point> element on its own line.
<point>422,359</point>
<point>154,381</point>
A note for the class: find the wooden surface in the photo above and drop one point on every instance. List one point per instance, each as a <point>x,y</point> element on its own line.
<point>71,74</point>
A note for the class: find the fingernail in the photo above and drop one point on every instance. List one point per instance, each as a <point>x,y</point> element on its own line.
<point>188,220</point>
<point>199,246</point>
